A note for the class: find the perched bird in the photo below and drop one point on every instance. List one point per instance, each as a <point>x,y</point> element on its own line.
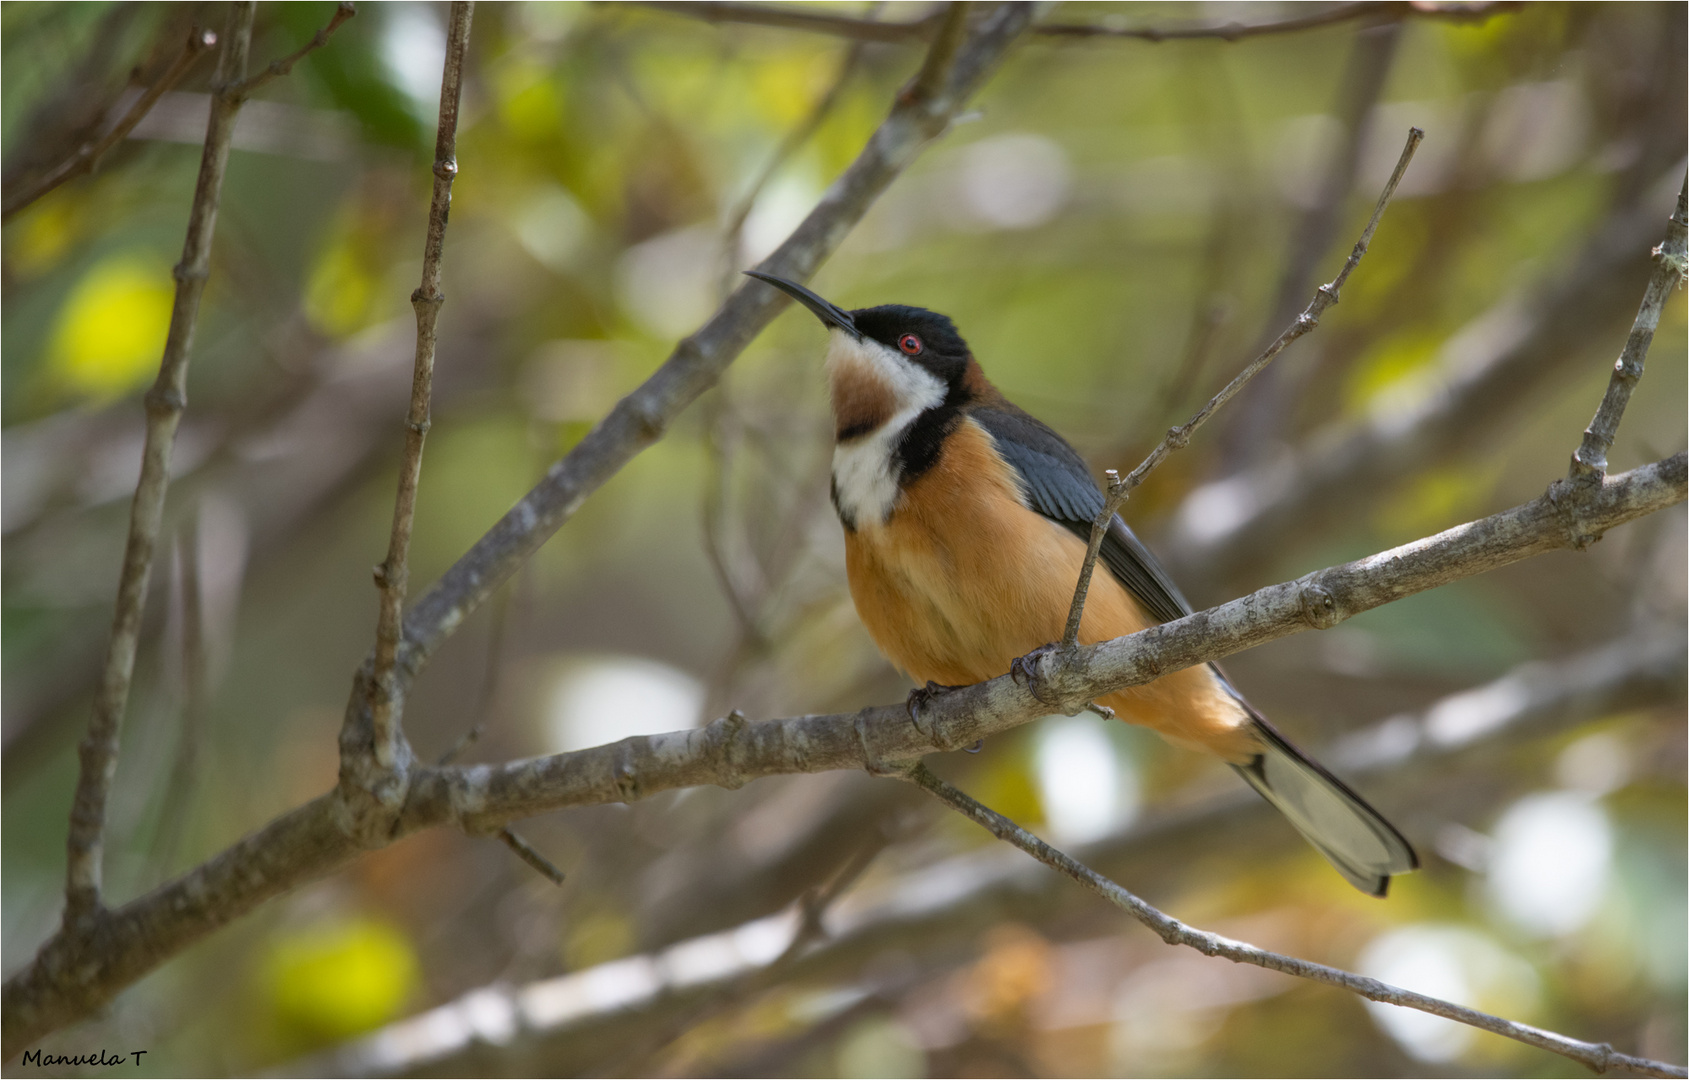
<point>966,521</point>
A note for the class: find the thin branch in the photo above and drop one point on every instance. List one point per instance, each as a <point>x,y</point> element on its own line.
<point>89,153</point>
<point>62,983</point>
<point>1258,420</point>
<point>806,20</point>
<point>392,576</point>
<point>1491,370</point>
<point>925,28</point>
<point>791,144</point>
<point>165,403</point>
<point>345,10</point>
<point>528,854</point>
<point>1179,437</point>
<point>500,616</point>
<point>1599,1056</point>
<point>1384,12</point>
<point>811,910</point>
<point>941,56</point>
<point>1589,461</point>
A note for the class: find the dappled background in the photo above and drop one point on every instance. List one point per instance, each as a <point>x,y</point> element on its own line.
<point>1116,229</point>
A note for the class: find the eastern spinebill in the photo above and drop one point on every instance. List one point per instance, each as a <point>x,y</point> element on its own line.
<point>966,521</point>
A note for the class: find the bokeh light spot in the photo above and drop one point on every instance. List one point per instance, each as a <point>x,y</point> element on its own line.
<point>111,330</point>
<point>332,981</point>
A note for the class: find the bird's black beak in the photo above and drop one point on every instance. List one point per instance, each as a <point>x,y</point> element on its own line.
<point>830,314</point>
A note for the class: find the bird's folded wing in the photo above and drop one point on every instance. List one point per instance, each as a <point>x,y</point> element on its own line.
<point>1059,486</point>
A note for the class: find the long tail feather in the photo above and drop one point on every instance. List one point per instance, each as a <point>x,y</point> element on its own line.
<point>1340,824</point>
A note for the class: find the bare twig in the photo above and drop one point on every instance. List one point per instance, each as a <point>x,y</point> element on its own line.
<point>526,852</point>
<point>1491,371</point>
<point>1179,437</point>
<point>1599,1056</point>
<point>1378,12</point>
<point>941,56</point>
<point>1260,418</point>
<point>811,911</point>
<point>165,403</point>
<point>925,28</point>
<point>791,144</point>
<point>500,616</point>
<point>392,575</point>
<point>1589,461</point>
<point>63,983</point>
<point>809,20</point>
<point>89,153</point>
<point>345,10</point>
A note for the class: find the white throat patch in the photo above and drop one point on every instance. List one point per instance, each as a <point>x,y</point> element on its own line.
<point>865,471</point>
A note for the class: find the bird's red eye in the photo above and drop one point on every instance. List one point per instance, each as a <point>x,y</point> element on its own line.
<point>909,343</point>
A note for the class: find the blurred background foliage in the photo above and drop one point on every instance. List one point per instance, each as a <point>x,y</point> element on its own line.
<point>1115,228</point>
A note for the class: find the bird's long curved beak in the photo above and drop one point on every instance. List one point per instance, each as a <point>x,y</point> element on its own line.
<point>830,314</point>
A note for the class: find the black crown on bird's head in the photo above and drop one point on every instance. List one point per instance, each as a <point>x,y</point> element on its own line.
<point>923,337</point>
<point>936,346</point>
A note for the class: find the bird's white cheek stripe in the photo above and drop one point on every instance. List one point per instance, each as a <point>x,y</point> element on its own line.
<point>864,469</point>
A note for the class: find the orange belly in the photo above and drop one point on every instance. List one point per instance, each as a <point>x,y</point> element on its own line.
<point>962,578</point>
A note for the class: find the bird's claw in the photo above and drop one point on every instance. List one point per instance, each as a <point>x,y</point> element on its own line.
<point>1024,670</point>
<point>921,697</point>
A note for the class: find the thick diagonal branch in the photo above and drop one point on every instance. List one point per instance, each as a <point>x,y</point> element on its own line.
<point>165,403</point>
<point>641,418</point>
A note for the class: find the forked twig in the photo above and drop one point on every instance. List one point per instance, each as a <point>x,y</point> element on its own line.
<point>1179,437</point>
<point>278,68</point>
<point>528,854</point>
<point>392,575</point>
<point>89,153</point>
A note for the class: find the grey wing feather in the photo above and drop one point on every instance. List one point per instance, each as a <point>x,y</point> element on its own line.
<point>1059,486</point>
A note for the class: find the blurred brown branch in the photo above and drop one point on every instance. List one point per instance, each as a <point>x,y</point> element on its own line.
<point>924,28</point>
<point>1179,437</point>
<point>277,68</point>
<point>1598,1056</point>
<point>165,403</point>
<point>89,153</point>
